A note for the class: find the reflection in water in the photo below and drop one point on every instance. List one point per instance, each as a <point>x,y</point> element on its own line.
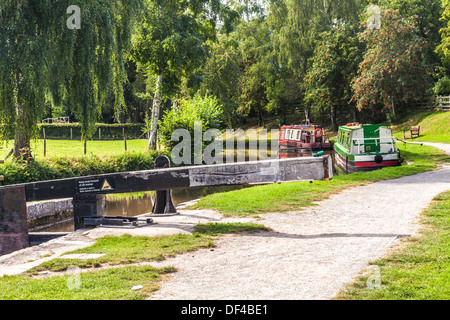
<point>137,203</point>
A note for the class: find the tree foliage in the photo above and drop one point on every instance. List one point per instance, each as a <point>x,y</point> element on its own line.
<point>392,72</point>
<point>222,76</point>
<point>444,46</point>
<point>426,15</point>
<point>204,111</point>
<point>335,64</point>
<point>171,43</point>
<point>42,59</point>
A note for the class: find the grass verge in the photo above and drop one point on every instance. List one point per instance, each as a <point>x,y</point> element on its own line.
<point>67,148</point>
<point>291,196</point>
<point>114,283</point>
<point>434,126</point>
<point>420,269</point>
<point>128,249</point>
<point>107,284</point>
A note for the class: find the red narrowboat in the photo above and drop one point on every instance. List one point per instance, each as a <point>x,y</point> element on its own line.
<point>302,141</point>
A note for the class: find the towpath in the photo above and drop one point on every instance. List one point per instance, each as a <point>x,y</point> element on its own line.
<point>309,254</point>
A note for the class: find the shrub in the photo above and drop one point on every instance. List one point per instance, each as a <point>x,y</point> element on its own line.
<point>203,109</point>
<point>442,87</point>
<point>67,167</point>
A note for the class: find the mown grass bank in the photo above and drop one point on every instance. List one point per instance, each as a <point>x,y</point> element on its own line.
<point>117,281</point>
<point>419,269</point>
<point>69,148</point>
<point>294,195</point>
<point>434,126</point>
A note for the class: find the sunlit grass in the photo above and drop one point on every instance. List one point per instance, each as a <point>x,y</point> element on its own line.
<point>420,270</point>
<point>434,126</point>
<point>116,281</point>
<point>294,195</point>
<point>107,284</point>
<point>76,147</point>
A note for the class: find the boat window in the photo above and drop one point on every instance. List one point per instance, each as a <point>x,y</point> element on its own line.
<point>292,134</point>
<point>282,134</point>
<point>288,133</point>
<point>298,134</point>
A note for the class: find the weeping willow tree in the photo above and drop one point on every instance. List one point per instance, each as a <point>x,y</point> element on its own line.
<point>43,59</point>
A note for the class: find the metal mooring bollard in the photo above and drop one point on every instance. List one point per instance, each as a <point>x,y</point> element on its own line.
<point>163,198</point>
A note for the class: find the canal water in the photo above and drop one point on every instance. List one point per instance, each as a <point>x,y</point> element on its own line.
<point>134,204</point>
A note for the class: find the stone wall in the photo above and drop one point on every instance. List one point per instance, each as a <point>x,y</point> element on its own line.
<point>44,213</point>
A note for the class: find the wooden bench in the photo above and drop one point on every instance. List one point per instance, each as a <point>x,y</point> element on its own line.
<point>414,132</point>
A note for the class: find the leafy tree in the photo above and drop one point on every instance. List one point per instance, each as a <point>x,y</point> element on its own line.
<point>254,41</point>
<point>222,75</point>
<point>42,59</point>
<point>297,24</point>
<point>392,72</point>
<point>264,80</point>
<point>444,46</point>
<point>171,43</point>
<point>426,14</point>
<point>335,64</point>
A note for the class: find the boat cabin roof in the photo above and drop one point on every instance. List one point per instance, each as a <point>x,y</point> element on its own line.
<point>299,127</point>
<point>356,126</point>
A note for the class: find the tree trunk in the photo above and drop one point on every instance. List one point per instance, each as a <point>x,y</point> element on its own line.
<point>136,115</point>
<point>333,119</point>
<point>260,119</point>
<point>155,113</point>
<point>393,108</point>
<point>21,136</point>
<point>307,121</point>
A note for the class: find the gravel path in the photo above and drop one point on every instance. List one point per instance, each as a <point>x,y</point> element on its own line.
<point>309,254</point>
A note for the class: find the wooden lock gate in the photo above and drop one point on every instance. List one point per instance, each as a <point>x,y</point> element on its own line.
<point>88,192</point>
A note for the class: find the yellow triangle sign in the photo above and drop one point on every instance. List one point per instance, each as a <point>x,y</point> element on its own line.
<point>106,185</point>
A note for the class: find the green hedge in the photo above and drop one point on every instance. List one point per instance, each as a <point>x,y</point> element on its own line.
<point>107,131</point>
<point>66,167</point>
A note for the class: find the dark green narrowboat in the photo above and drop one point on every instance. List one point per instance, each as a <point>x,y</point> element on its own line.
<point>365,147</point>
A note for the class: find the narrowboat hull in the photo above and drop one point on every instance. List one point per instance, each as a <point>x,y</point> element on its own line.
<point>350,163</point>
<point>294,150</point>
